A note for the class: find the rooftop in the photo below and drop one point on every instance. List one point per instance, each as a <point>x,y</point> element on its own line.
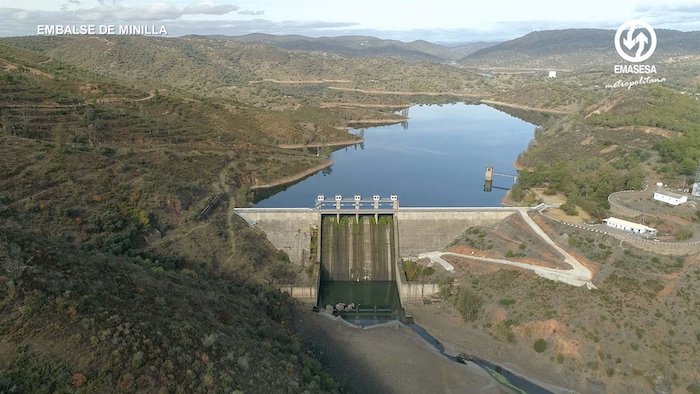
<point>626,223</point>
<point>668,193</point>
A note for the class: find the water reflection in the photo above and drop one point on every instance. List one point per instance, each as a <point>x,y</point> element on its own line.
<point>438,160</point>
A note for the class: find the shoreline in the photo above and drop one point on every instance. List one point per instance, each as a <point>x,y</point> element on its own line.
<point>525,107</point>
<point>377,121</point>
<point>506,201</point>
<point>323,144</point>
<point>404,93</point>
<point>295,177</point>
<point>311,81</point>
<point>363,105</point>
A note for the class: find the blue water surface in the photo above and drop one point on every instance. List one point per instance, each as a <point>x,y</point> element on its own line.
<point>437,160</point>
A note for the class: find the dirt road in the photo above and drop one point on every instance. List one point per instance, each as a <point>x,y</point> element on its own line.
<point>577,276</point>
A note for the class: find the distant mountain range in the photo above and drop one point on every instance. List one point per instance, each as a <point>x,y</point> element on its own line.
<point>365,46</point>
<point>203,63</point>
<point>574,48</point>
<point>563,49</point>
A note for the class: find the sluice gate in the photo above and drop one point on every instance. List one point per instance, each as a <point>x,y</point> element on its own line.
<point>358,254</point>
<point>357,249</point>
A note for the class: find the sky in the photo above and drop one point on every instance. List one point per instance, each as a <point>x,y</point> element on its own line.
<point>406,20</point>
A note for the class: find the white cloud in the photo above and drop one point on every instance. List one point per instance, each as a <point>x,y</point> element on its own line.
<point>448,20</point>
<point>248,12</point>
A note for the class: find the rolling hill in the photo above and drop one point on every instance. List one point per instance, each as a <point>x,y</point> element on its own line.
<point>355,46</point>
<point>467,48</point>
<point>213,67</point>
<point>103,287</point>
<point>574,49</point>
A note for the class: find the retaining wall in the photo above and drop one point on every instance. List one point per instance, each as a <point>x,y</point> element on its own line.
<point>429,229</point>
<point>621,210</point>
<point>409,291</point>
<point>659,247</point>
<point>288,229</point>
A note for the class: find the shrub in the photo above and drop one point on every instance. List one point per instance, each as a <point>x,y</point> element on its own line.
<point>469,304</point>
<point>411,269</point>
<point>445,287</point>
<point>569,208</point>
<point>684,233</point>
<point>428,271</point>
<point>506,301</point>
<point>540,345</point>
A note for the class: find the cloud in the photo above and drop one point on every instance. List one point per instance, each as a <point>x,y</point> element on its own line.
<point>207,9</point>
<point>242,27</point>
<point>113,12</point>
<point>664,8</point>
<point>19,22</point>
<point>248,12</point>
<point>683,16</point>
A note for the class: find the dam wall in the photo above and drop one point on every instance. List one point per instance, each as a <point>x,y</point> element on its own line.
<point>419,230</point>
<point>429,229</point>
<point>289,229</point>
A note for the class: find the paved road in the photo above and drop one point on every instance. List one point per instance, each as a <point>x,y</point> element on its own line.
<point>577,275</point>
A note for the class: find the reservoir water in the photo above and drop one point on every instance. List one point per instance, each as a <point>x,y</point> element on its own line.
<point>437,160</point>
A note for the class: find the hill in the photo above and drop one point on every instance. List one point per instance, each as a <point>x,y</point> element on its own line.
<point>467,48</point>
<point>122,267</point>
<point>354,46</point>
<point>574,49</point>
<point>75,321</point>
<point>231,70</point>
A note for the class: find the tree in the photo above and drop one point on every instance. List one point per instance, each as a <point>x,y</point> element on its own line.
<point>7,124</point>
<point>60,139</point>
<point>569,207</point>
<point>12,259</point>
<point>540,345</point>
<point>469,304</point>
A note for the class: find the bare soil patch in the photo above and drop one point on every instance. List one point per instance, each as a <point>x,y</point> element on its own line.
<point>388,359</point>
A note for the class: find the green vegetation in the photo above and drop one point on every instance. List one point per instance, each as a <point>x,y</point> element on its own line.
<point>506,301</point>
<point>540,345</point>
<point>569,207</point>
<point>586,182</point>
<point>654,106</point>
<point>684,234</point>
<point>468,303</point>
<point>475,238</point>
<point>130,327</point>
<point>414,271</point>
<point>680,155</point>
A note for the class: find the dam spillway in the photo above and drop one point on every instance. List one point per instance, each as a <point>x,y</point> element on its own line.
<point>358,255</point>
<point>357,248</point>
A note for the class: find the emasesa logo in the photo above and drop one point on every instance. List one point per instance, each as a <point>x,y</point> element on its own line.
<point>635,41</point>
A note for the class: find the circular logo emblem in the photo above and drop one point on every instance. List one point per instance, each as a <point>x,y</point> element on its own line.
<point>635,41</point>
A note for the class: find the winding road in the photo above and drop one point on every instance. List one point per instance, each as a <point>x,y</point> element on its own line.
<point>578,275</point>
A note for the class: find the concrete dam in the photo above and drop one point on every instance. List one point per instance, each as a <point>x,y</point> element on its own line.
<point>357,249</point>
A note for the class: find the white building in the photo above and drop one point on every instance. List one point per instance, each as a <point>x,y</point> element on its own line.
<point>552,74</point>
<point>670,198</point>
<point>632,227</point>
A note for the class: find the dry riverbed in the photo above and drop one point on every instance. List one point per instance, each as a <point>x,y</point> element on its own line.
<point>387,359</point>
